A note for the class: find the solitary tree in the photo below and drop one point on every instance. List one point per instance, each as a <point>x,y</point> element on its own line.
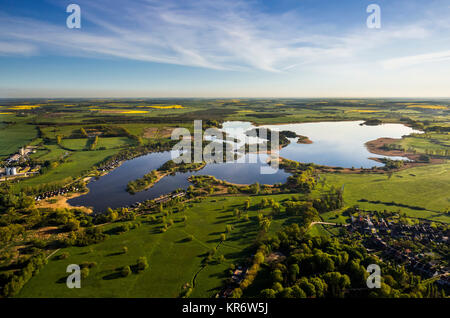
<point>142,263</point>
<point>126,271</point>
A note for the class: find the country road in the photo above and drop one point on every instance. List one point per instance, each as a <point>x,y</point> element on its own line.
<point>327,223</point>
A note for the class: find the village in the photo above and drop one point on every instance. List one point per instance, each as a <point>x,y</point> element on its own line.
<point>386,236</point>
<point>109,166</point>
<point>54,193</point>
<point>159,200</point>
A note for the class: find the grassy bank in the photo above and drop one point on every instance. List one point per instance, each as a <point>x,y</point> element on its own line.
<point>427,187</point>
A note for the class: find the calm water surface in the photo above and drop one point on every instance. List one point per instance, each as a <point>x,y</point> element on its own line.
<point>110,190</point>
<point>334,144</point>
<point>339,144</point>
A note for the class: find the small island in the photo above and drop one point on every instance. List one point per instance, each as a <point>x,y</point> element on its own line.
<point>284,136</point>
<point>151,178</point>
<point>372,122</point>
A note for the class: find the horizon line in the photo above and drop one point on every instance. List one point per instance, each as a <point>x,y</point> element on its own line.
<point>235,97</point>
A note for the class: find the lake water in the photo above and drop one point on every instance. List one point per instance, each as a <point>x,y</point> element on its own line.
<point>110,190</point>
<point>334,144</point>
<point>340,144</point>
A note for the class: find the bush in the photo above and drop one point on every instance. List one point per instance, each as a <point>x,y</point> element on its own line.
<point>16,281</point>
<point>86,237</point>
<point>72,225</point>
<point>424,158</point>
<point>84,272</point>
<point>63,255</point>
<point>142,263</point>
<point>126,271</point>
<point>88,264</point>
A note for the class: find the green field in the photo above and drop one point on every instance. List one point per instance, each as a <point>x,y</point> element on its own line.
<point>73,167</point>
<point>427,187</point>
<point>113,142</point>
<point>431,144</point>
<point>173,260</point>
<point>63,131</point>
<point>318,230</point>
<point>15,136</point>
<point>79,144</point>
<point>50,152</point>
<point>75,144</point>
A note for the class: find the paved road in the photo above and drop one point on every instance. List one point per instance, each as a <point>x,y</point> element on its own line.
<point>327,223</point>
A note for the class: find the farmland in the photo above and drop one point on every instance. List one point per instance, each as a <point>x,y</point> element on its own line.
<point>425,189</point>
<point>14,136</point>
<point>191,250</point>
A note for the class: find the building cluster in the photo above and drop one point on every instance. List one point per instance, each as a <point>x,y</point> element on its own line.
<point>19,171</point>
<point>109,166</point>
<point>10,171</point>
<point>162,199</point>
<point>380,232</point>
<point>51,194</point>
<point>237,276</point>
<point>12,164</point>
<point>22,155</point>
<point>168,197</point>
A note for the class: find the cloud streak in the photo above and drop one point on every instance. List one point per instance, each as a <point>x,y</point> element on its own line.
<point>221,35</point>
<point>14,48</point>
<point>407,61</point>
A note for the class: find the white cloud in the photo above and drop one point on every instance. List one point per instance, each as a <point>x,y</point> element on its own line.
<point>219,34</point>
<point>406,61</point>
<point>13,48</point>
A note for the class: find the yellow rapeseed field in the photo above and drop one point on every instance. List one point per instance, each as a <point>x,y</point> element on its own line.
<point>166,107</point>
<point>120,111</point>
<point>427,106</point>
<point>364,111</point>
<point>133,112</point>
<point>24,107</point>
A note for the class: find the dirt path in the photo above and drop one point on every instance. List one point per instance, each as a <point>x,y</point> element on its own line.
<point>326,223</point>
<point>203,267</point>
<point>53,253</point>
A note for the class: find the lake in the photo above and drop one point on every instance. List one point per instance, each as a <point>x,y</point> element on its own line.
<point>110,190</point>
<point>334,144</point>
<point>339,144</point>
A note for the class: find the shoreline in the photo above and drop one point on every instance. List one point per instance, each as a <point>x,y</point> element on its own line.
<point>374,146</point>
<point>163,174</point>
<point>325,119</point>
<point>150,185</point>
<point>61,202</point>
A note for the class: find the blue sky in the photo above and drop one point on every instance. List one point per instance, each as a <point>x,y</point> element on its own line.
<point>225,48</point>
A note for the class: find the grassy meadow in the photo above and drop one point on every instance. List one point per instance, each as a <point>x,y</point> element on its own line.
<point>427,187</point>
<point>73,167</point>
<point>173,259</point>
<point>14,136</point>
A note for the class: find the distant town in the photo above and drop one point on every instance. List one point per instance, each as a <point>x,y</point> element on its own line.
<point>16,165</point>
